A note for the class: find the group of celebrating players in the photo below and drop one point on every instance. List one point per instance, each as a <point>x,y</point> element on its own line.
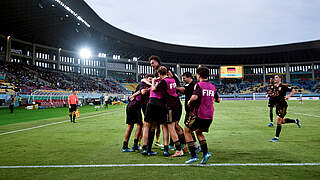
<point>157,97</point>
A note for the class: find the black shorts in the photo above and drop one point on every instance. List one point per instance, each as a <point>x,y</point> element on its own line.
<point>202,124</point>
<point>173,114</point>
<point>73,108</point>
<point>144,108</point>
<point>271,103</point>
<point>281,111</point>
<point>133,116</point>
<point>155,113</point>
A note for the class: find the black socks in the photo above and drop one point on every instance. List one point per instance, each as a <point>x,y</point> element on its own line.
<point>74,117</point>
<point>204,146</point>
<point>125,145</point>
<point>182,139</point>
<point>278,131</point>
<point>135,142</point>
<point>287,120</point>
<point>171,142</point>
<point>150,139</point>
<point>144,147</point>
<point>192,148</point>
<point>177,145</point>
<point>271,115</point>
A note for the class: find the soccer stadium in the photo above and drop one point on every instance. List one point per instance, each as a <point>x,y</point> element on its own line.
<point>81,98</point>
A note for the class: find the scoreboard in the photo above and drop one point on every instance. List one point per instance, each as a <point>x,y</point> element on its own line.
<point>231,72</point>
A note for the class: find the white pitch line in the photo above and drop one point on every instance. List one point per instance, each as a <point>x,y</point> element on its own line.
<point>20,130</point>
<point>307,114</point>
<point>161,165</point>
<point>26,129</point>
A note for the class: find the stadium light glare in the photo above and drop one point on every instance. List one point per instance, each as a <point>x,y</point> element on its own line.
<point>85,53</point>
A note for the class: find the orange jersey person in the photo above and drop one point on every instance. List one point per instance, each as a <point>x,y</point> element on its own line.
<point>73,102</point>
<point>73,99</point>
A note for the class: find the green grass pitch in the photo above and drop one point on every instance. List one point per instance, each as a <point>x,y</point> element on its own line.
<point>239,134</point>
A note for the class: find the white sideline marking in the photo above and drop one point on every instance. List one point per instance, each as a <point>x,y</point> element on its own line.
<point>161,165</point>
<point>10,132</point>
<point>20,130</point>
<point>307,114</point>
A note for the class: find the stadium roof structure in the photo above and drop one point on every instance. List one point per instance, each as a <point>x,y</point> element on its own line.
<point>72,24</point>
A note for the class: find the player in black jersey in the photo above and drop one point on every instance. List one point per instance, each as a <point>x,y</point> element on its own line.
<point>280,98</point>
<point>187,90</point>
<point>271,102</point>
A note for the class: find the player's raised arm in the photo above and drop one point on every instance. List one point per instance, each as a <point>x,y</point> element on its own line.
<point>293,91</point>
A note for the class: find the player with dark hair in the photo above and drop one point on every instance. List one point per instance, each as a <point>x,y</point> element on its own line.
<point>174,110</point>
<point>280,91</point>
<point>271,102</point>
<point>188,89</point>
<point>155,63</point>
<point>201,103</point>
<point>73,102</point>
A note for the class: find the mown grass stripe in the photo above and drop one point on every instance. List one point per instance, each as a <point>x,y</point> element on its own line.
<point>50,124</point>
<point>307,114</point>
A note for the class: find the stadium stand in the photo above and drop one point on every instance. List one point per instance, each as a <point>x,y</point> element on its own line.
<point>30,78</point>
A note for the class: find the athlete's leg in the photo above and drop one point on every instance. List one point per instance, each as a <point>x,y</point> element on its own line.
<point>158,132</point>
<point>271,114</point>
<point>127,135</point>
<point>137,136</point>
<point>202,141</point>
<point>74,116</point>
<point>188,135</point>
<point>174,135</point>
<point>138,131</point>
<point>151,135</point>
<point>180,133</point>
<point>280,121</point>
<point>146,127</point>
<point>165,134</point>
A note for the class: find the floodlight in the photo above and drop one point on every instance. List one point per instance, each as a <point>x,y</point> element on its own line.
<point>85,53</point>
